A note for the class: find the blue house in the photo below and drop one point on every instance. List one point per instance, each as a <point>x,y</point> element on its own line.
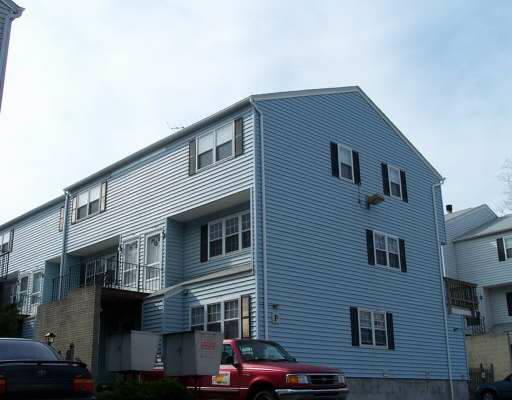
<point>9,11</point>
<point>303,217</point>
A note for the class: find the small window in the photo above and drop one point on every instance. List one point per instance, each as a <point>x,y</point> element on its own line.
<point>346,162</point>
<point>5,239</point>
<point>88,202</point>
<point>197,318</point>
<point>395,182</point>
<point>372,328</point>
<point>227,355</point>
<point>387,251</point>
<point>61,219</point>
<point>508,246</point>
<point>229,235</point>
<point>217,317</point>
<point>215,146</point>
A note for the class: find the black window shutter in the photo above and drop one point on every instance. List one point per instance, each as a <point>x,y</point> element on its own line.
<point>354,323</point>
<point>11,239</point>
<point>501,249</point>
<point>103,201</point>
<point>335,165</point>
<point>403,261</point>
<point>509,303</point>
<point>192,157</point>
<point>204,243</point>
<point>385,179</point>
<point>370,247</point>
<point>357,169</point>
<point>73,210</point>
<point>391,331</point>
<point>403,180</point>
<point>239,137</point>
<point>245,316</point>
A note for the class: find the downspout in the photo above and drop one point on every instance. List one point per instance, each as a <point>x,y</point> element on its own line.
<point>443,289</point>
<point>264,218</point>
<point>62,266</point>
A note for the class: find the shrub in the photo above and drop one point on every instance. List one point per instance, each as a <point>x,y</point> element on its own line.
<point>165,389</point>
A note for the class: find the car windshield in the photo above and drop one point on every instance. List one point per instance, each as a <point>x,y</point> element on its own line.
<point>26,350</point>
<point>257,350</point>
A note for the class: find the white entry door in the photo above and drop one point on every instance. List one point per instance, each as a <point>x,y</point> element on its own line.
<point>130,264</point>
<point>153,267</point>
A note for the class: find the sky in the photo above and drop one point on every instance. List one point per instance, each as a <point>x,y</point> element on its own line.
<point>90,82</point>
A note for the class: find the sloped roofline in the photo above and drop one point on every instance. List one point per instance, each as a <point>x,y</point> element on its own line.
<point>470,211</point>
<point>480,232</point>
<point>32,212</point>
<point>17,10</point>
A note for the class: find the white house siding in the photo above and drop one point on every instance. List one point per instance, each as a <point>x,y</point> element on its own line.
<point>497,298</point>
<point>477,261</point>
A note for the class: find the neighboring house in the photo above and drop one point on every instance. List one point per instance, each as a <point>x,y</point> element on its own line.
<point>9,11</point>
<point>479,251</point>
<point>303,217</point>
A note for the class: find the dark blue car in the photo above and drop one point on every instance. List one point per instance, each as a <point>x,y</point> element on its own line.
<point>501,390</point>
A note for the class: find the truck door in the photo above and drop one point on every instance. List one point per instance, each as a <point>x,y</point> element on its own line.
<point>225,384</point>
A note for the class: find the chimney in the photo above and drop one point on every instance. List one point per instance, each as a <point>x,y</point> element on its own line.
<point>449,208</point>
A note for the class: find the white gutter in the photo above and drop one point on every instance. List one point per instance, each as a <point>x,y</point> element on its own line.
<point>443,289</point>
<point>264,218</point>
<point>62,265</point>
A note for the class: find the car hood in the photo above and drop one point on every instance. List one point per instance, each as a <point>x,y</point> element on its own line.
<point>290,367</point>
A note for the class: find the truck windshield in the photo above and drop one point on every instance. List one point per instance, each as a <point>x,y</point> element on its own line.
<point>26,350</point>
<point>257,350</point>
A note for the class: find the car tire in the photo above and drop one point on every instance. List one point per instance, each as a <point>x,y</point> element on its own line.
<point>264,395</point>
<point>488,395</point>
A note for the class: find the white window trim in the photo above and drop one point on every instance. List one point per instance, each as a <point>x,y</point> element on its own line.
<point>388,266</point>
<point>29,282</point>
<point>505,238</point>
<point>214,131</point>
<point>78,206</point>
<point>146,238</point>
<point>240,231</point>
<point>390,167</point>
<point>374,345</point>
<point>125,243</point>
<point>340,146</point>
<point>220,300</point>
<point>40,292</point>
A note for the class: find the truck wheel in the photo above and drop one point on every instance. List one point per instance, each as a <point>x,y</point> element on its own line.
<point>265,395</point>
<point>488,396</point>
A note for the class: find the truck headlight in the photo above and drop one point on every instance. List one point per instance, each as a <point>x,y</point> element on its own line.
<point>341,379</point>
<point>297,379</point>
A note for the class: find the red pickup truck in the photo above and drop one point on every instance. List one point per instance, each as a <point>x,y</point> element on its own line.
<point>263,370</point>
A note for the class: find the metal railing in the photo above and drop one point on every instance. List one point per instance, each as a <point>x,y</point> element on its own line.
<point>4,265</point>
<point>461,294</point>
<point>474,326</point>
<point>108,273</point>
<point>27,304</point>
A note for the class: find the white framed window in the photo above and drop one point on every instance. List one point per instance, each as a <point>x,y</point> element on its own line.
<point>5,239</point>
<point>229,235</point>
<point>37,288</point>
<point>345,155</point>
<point>215,146</point>
<point>153,256</point>
<point>373,328</point>
<point>23,288</point>
<point>507,242</point>
<point>387,250</point>
<point>395,182</point>
<point>130,263</point>
<point>220,316</point>
<point>88,202</point>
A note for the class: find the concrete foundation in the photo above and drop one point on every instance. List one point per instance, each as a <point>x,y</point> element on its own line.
<point>405,389</point>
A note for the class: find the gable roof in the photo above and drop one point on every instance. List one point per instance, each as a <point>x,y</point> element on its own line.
<point>499,225</point>
<point>32,212</point>
<point>13,6</point>
<point>465,212</point>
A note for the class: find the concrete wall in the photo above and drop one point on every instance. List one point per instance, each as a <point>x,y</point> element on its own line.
<point>489,349</point>
<point>417,389</point>
<point>74,319</point>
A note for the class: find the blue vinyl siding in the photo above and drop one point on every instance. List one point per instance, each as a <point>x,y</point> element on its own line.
<point>317,259</point>
<point>457,346</point>
<point>152,315</point>
<point>28,328</point>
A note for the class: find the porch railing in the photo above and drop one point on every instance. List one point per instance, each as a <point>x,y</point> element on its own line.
<point>474,326</point>
<point>461,294</point>
<point>27,304</point>
<point>108,273</point>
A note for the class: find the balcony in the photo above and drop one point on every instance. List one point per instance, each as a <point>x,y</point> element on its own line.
<point>461,296</point>
<point>474,326</point>
<point>108,273</point>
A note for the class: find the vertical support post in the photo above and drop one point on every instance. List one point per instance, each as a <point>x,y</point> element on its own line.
<point>138,277</point>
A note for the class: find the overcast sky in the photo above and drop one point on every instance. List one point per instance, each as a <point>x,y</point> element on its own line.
<point>91,82</point>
